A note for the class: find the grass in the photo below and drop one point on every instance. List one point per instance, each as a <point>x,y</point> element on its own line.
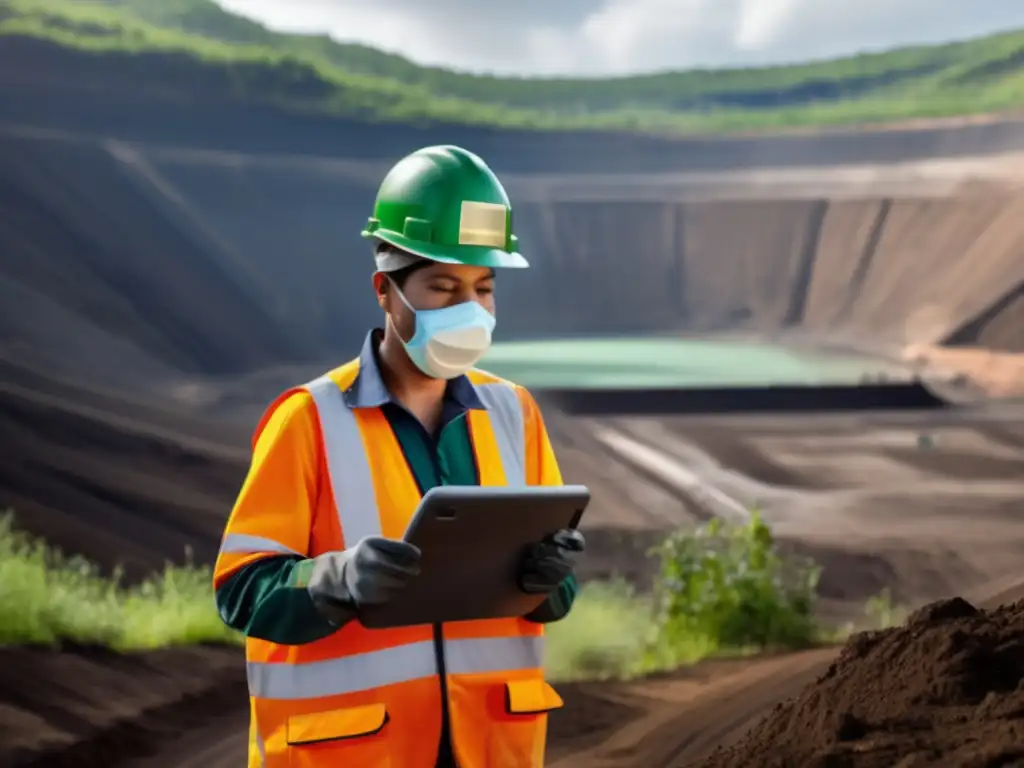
<point>722,590</point>
<point>314,73</point>
<point>46,598</point>
<point>604,637</point>
<point>613,633</point>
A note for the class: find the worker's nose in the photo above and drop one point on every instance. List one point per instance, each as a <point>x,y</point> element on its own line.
<point>467,294</point>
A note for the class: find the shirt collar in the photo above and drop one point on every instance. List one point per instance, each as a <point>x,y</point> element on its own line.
<point>369,391</point>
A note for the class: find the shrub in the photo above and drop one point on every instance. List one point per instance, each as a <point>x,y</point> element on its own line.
<point>727,587</point>
<point>720,589</point>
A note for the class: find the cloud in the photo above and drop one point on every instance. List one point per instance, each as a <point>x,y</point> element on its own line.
<point>599,37</point>
<point>761,22</point>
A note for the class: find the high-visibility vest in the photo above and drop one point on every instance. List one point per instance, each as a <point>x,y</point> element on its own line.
<point>365,697</point>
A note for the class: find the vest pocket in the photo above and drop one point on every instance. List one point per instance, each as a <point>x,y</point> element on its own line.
<point>353,736</point>
<point>518,740</point>
<point>530,697</point>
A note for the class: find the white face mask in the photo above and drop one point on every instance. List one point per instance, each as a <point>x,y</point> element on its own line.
<point>449,341</point>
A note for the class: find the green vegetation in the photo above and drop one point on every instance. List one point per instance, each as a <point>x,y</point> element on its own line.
<point>315,73</point>
<point>46,598</point>
<point>721,589</point>
<point>883,613</point>
<point>606,636</point>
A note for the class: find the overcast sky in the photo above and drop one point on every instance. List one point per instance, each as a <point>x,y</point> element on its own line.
<point>595,37</point>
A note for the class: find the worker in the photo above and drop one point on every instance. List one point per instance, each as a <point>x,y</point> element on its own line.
<point>339,466</point>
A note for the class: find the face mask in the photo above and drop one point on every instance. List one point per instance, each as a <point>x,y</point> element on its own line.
<point>448,341</point>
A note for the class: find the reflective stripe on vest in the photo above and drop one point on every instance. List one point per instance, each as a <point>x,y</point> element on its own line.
<point>506,413</point>
<point>349,467</point>
<point>247,544</point>
<point>377,669</point>
<point>353,490</point>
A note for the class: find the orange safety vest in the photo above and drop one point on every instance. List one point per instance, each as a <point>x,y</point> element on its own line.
<point>364,697</point>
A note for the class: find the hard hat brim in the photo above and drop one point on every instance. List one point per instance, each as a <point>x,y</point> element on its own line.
<point>467,255</point>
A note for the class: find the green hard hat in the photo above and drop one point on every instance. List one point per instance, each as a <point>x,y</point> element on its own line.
<point>444,204</point>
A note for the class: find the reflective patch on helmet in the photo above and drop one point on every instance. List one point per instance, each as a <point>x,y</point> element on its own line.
<point>483,224</point>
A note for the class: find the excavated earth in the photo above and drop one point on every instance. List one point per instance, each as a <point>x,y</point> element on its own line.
<point>158,285</point>
<point>947,688</point>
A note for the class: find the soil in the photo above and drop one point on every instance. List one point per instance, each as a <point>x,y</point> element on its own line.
<point>79,707</point>
<point>945,689</point>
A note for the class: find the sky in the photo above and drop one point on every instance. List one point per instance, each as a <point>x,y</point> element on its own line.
<point>605,37</point>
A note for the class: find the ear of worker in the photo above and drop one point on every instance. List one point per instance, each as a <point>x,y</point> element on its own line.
<point>376,569</point>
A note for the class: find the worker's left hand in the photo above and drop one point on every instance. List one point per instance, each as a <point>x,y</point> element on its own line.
<point>550,562</point>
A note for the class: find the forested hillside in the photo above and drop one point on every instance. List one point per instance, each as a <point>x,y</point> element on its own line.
<point>314,72</point>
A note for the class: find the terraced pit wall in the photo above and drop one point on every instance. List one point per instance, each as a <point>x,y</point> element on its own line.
<point>144,236</point>
<point>881,268</point>
<point>212,263</point>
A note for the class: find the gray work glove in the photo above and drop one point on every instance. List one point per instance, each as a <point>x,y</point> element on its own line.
<point>550,562</point>
<point>370,573</point>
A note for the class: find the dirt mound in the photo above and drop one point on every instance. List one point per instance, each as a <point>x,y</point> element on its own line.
<point>948,687</point>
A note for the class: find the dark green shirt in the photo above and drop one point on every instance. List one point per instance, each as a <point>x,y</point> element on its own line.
<point>267,599</point>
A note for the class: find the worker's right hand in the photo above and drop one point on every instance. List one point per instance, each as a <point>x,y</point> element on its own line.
<point>369,573</point>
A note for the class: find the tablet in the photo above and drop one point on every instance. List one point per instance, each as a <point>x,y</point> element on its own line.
<point>473,539</point>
